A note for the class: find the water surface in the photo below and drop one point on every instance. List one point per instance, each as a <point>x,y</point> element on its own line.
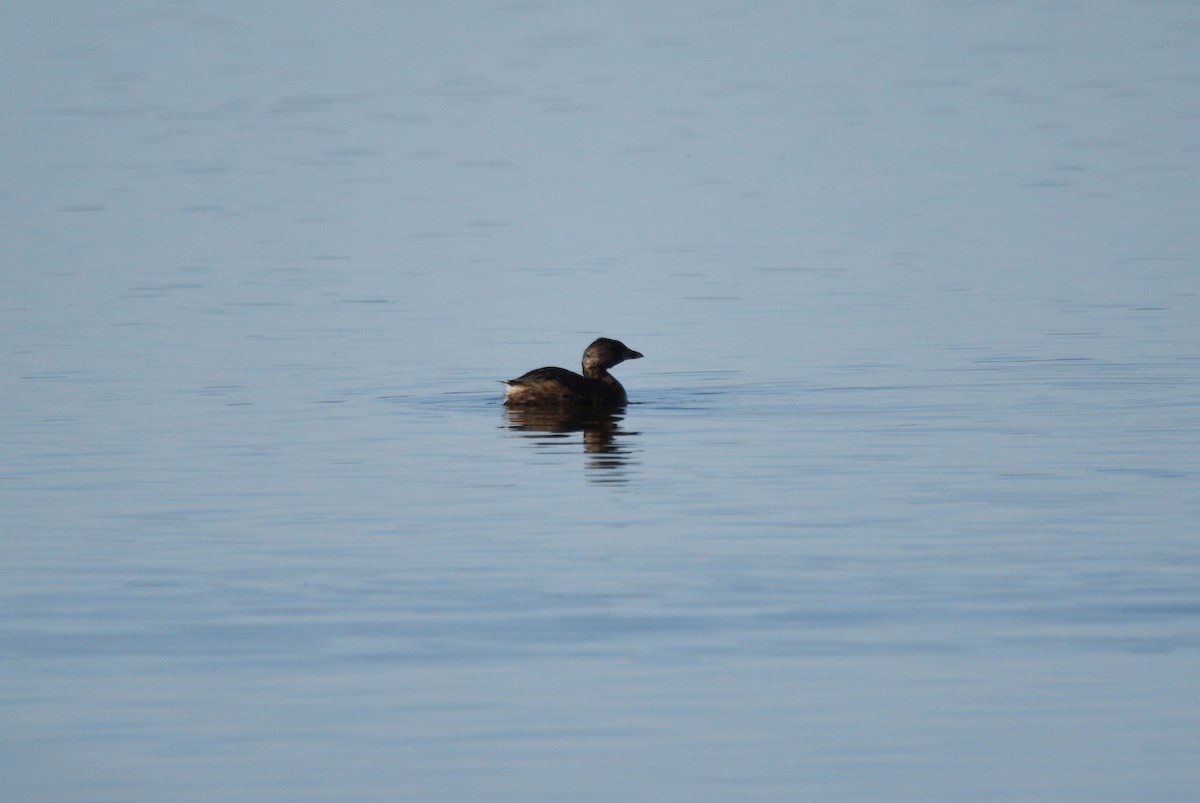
<point>904,504</point>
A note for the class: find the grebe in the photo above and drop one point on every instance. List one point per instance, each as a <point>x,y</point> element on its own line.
<point>558,387</point>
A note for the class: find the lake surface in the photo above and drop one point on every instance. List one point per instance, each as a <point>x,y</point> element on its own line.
<point>905,503</point>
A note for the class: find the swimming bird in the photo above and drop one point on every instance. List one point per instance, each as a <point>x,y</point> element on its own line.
<point>558,387</point>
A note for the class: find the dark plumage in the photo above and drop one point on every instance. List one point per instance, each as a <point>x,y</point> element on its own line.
<point>558,387</point>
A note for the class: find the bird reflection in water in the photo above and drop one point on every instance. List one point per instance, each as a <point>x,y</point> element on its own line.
<point>604,441</point>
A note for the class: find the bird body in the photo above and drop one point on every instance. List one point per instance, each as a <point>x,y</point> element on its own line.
<point>558,387</point>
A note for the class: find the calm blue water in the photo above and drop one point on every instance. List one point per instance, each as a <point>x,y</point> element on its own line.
<point>905,504</point>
